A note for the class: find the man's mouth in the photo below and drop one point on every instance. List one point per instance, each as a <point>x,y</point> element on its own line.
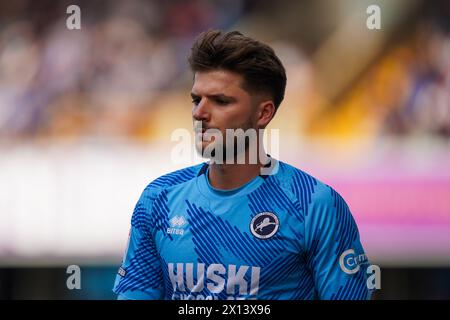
<point>202,136</point>
<point>198,127</point>
<point>201,129</point>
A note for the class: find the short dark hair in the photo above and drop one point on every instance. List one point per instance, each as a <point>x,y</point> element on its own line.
<point>260,68</point>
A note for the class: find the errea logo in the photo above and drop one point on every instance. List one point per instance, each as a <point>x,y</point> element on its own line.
<point>177,223</point>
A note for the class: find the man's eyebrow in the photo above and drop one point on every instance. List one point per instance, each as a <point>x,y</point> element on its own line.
<point>214,96</point>
<point>194,96</point>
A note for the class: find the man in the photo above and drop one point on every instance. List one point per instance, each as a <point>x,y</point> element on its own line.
<point>240,226</point>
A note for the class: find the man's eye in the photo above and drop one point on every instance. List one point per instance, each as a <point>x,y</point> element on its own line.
<point>196,101</point>
<point>221,102</point>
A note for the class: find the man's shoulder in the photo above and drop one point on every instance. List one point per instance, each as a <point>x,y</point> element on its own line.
<point>173,178</point>
<point>304,185</point>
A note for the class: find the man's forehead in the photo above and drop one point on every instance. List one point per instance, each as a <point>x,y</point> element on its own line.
<point>216,82</point>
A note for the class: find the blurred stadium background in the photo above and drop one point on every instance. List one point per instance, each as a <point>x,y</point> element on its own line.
<point>86,118</point>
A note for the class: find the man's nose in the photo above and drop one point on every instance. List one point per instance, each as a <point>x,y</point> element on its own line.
<point>200,112</point>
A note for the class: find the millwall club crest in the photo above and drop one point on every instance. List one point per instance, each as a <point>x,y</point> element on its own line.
<point>264,225</point>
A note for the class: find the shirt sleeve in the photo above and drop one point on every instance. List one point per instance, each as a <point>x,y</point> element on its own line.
<point>140,276</point>
<point>334,252</point>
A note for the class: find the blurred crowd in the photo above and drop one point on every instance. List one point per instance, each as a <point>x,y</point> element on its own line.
<point>420,84</point>
<point>102,79</point>
<point>106,79</point>
<point>404,93</point>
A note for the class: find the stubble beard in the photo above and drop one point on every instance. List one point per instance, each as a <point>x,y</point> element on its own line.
<point>228,152</point>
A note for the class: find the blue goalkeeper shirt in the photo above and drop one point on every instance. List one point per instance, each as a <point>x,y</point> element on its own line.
<point>280,236</point>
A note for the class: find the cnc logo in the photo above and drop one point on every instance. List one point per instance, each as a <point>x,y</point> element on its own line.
<point>350,262</point>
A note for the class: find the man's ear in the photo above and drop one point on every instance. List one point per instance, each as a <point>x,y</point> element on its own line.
<point>266,111</point>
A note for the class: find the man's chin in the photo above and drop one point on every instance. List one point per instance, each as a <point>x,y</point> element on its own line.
<point>204,149</point>
<point>210,150</point>
<point>216,152</point>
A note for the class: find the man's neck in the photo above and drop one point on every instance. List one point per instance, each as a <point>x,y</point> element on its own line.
<point>230,176</point>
